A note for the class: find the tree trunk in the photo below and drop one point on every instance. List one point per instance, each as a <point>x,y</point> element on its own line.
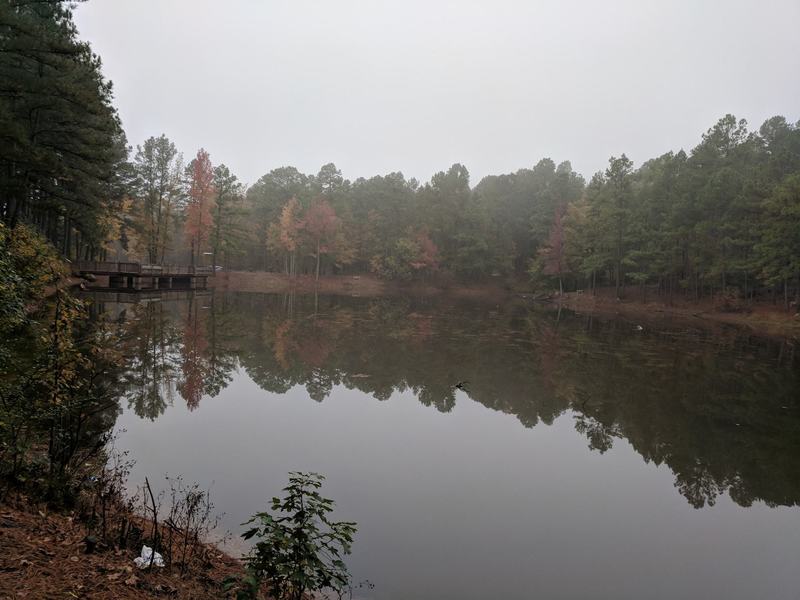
<point>745,286</point>
<point>797,291</point>
<point>317,260</point>
<point>218,227</point>
<point>67,237</point>
<point>786,292</point>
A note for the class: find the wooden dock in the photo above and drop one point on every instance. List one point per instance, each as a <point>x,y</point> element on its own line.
<point>125,296</point>
<point>137,276</point>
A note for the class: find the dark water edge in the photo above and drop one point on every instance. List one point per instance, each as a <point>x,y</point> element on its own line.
<point>561,419</point>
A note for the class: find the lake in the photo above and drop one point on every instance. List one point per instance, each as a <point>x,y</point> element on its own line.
<point>579,458</point>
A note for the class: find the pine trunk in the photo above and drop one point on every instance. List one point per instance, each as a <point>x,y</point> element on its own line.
<point>318,260</point>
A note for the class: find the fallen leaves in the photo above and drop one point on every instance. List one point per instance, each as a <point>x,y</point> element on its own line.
<point>45,559</point>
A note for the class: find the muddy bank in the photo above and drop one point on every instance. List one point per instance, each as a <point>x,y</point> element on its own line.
<point>762,318</point>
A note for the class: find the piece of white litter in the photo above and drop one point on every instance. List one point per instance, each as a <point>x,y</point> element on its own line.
<point>143,561</point>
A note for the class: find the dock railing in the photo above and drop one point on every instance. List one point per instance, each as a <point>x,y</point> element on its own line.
<point>130,268</point>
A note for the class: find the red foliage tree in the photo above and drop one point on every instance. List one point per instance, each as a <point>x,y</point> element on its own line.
<point>198,209</point>
<point>428,257</point>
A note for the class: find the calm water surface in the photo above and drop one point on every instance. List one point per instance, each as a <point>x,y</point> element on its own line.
<point>583,459</point>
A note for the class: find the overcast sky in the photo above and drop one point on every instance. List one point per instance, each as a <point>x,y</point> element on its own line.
<point>415,85</point>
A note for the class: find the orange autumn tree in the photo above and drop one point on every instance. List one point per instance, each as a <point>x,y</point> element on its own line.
<point>321,225</point>
<point>428,254</point>
<point>285,234</point>
<point>198,208</point>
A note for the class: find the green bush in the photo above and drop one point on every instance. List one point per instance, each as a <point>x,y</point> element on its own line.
<point>299,549</point>
<point>58,387</point>
<point>27,264</point>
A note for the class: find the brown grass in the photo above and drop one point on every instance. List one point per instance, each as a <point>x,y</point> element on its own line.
<point>42,555</point>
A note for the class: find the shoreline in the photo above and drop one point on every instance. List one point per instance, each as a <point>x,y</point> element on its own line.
<point>349,285</point>
<point>46,557</point>
<point>761,318</point>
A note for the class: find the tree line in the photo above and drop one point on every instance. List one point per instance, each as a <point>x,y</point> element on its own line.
<point>721,219</point>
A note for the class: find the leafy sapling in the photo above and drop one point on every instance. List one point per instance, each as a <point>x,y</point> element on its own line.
<point>299,549</point>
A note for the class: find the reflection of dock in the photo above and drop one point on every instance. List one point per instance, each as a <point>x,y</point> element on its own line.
<point>136,276</point>
<point>141,296</point>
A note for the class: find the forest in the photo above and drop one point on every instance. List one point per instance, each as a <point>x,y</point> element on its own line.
<point>472,475</point>
<point>723,218</point>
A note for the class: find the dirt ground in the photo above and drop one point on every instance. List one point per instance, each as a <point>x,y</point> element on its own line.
<point>43,556</point>
<point>763,318</point>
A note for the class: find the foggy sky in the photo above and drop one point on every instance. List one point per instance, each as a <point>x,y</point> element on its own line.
<point>416,85</point>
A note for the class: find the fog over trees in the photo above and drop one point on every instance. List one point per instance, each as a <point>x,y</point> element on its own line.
<point>724,216</point>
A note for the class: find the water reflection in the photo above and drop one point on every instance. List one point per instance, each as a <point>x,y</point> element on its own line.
<point>722,410</point>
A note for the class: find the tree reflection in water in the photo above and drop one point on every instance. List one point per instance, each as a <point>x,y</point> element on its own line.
<point>721,409</point>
